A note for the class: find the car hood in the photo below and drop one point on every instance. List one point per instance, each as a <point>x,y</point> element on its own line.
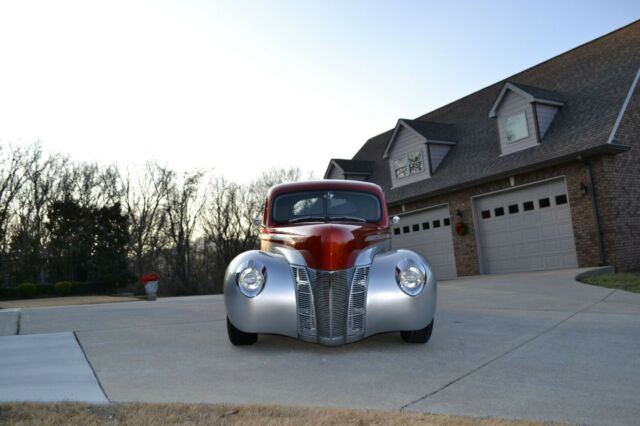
<point>326,246</point>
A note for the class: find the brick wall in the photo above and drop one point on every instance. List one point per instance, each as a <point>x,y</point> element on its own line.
<point>582,214</point>
<point>617,183</point>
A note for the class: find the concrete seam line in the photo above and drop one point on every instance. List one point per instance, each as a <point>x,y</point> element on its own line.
<point>18,321</point>
<point>93,370</point>
<point>515,348</point>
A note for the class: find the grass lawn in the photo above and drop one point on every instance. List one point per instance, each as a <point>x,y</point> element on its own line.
<point>628,281</point>
<point>220,414</point>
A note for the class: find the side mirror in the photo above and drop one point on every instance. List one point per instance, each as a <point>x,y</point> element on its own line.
<point>257,222</point>
<point>395,220</point>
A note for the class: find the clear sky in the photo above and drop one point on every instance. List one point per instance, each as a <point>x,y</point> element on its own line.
<point>240,86</point>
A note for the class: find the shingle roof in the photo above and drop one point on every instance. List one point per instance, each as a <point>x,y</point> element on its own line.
<point>539,93</point>
<point>354,166</point>
<point>593,79</point>
<point>433,130</point>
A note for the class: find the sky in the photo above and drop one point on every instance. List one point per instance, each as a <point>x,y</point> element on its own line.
<point>240,86</point>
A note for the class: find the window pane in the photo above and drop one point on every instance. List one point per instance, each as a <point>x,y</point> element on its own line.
<point>415,162</point>
<point>499,211</point>
<point>405,229</point>
<point>516,127</point>
<point>396,231</point>
<point>513,208</point>
<point>561,199</point>
<point>436,223</point>
<point>446,221</point>
<point>416,228</point>
<point>527,205</point>
<point>326,205</point>
<point>425,225</point>
<point>544,202</point>
<point>401,167</point>
<point>486,214</point>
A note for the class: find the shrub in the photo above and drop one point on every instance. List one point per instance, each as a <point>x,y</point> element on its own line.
<point>63,288</point>
<point>8,292</point>
<point>78,288</point>
<point>45,289</point>
<point>27,290</point>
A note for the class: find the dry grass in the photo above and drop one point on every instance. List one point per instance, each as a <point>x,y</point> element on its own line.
<point>139,414</point>
<point>46,302</point>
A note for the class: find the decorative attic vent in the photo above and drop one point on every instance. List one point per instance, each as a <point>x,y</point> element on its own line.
<point>524,114</point>
<point>416,149</point>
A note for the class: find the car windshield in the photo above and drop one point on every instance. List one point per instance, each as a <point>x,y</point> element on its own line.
<point>326,206</point>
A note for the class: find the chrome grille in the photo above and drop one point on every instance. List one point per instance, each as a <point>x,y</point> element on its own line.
<point>331,304</point>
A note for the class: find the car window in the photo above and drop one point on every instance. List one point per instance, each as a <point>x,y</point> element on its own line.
<point>326,205</point>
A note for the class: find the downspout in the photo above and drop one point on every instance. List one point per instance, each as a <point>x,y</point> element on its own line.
<point>596,214</point>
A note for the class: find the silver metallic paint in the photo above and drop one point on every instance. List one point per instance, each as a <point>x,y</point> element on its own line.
<point>274,310</point>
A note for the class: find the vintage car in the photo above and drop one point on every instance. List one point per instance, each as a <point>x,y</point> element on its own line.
<point>325,271</point>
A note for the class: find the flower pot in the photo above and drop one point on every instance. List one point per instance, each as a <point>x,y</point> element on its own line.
<point>152,289</point>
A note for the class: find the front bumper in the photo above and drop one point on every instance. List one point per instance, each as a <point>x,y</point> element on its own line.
<point>329,307</point>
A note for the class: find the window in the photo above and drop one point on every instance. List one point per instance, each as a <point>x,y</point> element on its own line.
<point>513,208</point>
<point>544,202</point>
<point>486,214</point>
<point>561,199</point>
<point>326,206</point>
<point>416,227</point>
<point>446,221</point>
<point>499,211</point>
<point>409,165</point>
<point>436,223</point>
<point>396,231</point>
<point>425,226</point>
<point>516,127</point>
<point>405,229</point>
<point>527,205</point>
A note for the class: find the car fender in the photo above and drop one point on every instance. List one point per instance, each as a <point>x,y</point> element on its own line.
<point>273,310</point>
<point>388,307</point>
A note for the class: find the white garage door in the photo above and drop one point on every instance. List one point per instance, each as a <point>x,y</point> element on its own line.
<point>429,233</point>
<point>526,229</point>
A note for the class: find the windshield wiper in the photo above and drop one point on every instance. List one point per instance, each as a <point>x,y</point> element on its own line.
<point>307,218</point>
<point>351,218</point>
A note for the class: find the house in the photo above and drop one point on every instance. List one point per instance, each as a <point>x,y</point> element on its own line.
<point>538,171</point>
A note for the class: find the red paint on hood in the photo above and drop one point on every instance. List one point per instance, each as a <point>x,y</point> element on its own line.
<point>326,246</point>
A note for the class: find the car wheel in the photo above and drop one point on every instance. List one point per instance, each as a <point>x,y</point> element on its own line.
<point>239,337</point>
<point>418,336</point>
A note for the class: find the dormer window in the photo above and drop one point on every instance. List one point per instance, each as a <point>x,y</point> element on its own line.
<point>516,127</point>
<point>524,115</point>
<point>408,165</point>
<point>416,150</point>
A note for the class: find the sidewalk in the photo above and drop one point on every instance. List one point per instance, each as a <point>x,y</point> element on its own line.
<point>64,301</point>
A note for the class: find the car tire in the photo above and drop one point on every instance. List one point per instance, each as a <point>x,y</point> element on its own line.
<point>239,337</point>
<point>418,336</point>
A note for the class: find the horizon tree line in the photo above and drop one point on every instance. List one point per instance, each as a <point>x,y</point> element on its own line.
<point>62,220</point>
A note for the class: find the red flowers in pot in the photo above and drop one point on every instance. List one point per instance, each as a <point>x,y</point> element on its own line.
<point>149,278</point>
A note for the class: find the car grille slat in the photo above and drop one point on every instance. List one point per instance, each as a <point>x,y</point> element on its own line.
<point>331,304</point>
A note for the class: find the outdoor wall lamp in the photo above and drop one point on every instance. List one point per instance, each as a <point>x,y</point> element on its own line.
<point>584,188</point>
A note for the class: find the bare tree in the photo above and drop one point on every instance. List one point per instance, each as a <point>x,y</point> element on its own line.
<point>144,198</point>
<point>227,227</point>
<point>183,206</point>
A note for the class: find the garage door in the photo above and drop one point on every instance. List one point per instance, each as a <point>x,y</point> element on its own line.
<point>429,233</point>
<point>526,229</point>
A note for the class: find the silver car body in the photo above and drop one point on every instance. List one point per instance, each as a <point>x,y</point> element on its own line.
<point>329,307</point>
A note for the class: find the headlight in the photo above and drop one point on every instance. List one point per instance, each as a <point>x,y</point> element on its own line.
<point>410,278</point>
<point>251,280</point>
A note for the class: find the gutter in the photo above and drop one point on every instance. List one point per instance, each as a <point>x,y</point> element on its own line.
<point>612,148</point>
<point>596,213</point>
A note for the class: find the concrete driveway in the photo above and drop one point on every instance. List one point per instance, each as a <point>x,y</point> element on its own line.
<point>522,346</point>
